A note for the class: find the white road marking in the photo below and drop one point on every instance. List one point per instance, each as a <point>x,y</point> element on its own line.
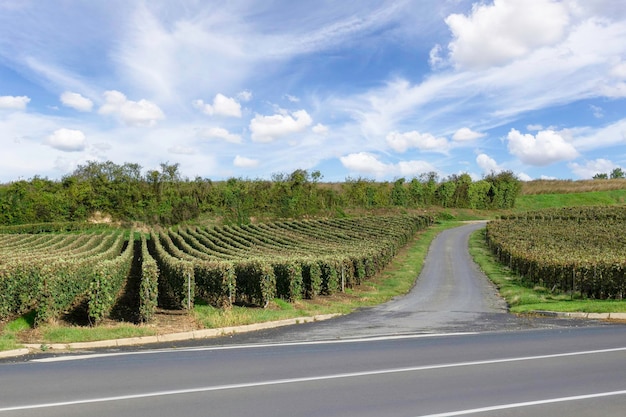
<point>249,346</point>
<point>309,379</point>
<point>527,404</point>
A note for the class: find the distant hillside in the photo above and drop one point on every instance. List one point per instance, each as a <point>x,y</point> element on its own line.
<point>571,199</point>
<point>540,194</point>
<point>569,186</point>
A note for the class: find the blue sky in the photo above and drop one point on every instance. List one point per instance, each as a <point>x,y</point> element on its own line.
<point>374,89</point>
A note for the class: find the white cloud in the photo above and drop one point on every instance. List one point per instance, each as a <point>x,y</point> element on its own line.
<point>434,57</point>
<point>591,168</point>
<point>466,134</point>
<point>222,106</point>
<point>494,34</point>
<point>243,162</point>
<point>132,113</point>
<point>364,162</point>
<point>320,129</point>
<point>14,102</point>
<point>487,164</point>
<point>245,95</point>
<point>524,177</point>
<point>268,128</point>
<point>545,148</point>
<point>68,140</point>
<point>400,142</point>
<point>76,101</point>
<point>368,164</point>
<point>291,98</point>
<point>534,128</point>
<point>220,133</point>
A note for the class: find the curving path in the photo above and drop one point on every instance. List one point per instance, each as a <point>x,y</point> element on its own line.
<point>450,295</point>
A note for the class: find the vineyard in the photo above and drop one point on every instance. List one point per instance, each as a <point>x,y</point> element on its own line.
<point>578,250</point>
<point>52,269</point>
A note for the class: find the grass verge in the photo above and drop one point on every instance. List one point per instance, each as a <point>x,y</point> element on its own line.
<point>397,279</point>
<point>522,299</point>
<point>9,336</point>
<point>62,334</point>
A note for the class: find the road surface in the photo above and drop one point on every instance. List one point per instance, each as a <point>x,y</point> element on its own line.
<point>574,372</point>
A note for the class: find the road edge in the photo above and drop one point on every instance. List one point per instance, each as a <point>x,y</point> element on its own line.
<point>580,315</point>
<point>162,338</point>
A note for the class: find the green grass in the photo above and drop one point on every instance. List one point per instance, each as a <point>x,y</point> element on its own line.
<point>62,334</point>
<point>592,198</point>
<point>522,299</point>
<point>9,335</point>
<point>8,341</point>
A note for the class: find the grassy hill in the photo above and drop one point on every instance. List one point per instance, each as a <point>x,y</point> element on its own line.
<point>591,198</point>
<point>540,194</point>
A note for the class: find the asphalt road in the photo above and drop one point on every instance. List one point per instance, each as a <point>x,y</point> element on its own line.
<point>530,373</point>
<point>448,348</point>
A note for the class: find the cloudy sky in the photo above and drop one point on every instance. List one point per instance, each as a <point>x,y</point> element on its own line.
<point>374,89</point>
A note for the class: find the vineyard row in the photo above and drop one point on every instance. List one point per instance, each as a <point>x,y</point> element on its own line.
<point>571,250</point>
<point>52,273</point>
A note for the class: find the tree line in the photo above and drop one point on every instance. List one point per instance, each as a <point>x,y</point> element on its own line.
<point>164,197</point>
<point>616,173</point>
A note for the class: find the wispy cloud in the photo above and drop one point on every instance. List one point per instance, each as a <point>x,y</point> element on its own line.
<point>243,162</point>
<point>14,102</point>
<point>76,101</point>
<point>220,133</point>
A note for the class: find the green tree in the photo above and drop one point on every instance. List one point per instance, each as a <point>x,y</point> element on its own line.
<point>430,181</point>
<point>416,193</point>
<point>505,187</point>
<point>478,195</point>
<point>399,193</point>
<point>617,173</point>
<point>461,191</point>
<point>445,193</point>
